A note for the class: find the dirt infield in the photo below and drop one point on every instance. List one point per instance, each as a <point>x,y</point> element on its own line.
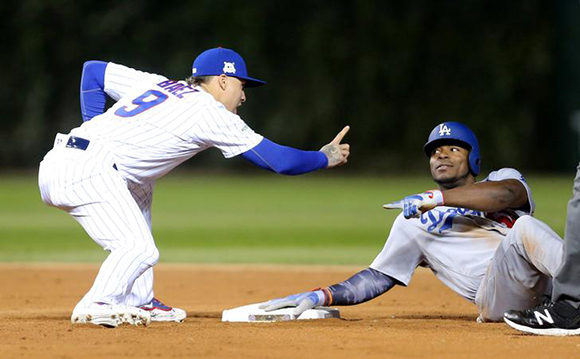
<point>424,320</point>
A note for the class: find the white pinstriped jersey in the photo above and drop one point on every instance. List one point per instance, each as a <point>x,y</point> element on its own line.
<point>456,243</point>
<point>157,123</point>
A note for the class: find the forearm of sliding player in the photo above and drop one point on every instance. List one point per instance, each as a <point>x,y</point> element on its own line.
<point>361,287</point>
<point>488,196</point>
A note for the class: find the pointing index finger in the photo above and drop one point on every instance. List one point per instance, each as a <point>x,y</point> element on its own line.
<point>340,135</point>
<point>393,205</point>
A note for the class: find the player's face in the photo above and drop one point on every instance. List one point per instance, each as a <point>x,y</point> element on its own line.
<point>450,166</point>
<point>234,94</point>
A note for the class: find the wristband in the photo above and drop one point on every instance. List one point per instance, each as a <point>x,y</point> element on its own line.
<point>437,195</point>
<point>327,300</point>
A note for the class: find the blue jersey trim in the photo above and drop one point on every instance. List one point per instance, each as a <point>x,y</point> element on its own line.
<point>285,160</point>
<point>92,91</point>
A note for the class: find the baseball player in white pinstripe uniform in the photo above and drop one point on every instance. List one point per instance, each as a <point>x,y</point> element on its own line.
<point>104,171</point>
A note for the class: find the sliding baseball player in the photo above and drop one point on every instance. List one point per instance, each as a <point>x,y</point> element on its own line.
<point>478,238</point>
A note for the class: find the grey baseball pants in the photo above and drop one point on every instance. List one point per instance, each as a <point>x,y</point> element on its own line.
<point>567,281</point>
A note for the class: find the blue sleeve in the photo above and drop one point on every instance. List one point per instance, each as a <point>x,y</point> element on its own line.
<point>93,97</point>
<point>361,287</point>
<point>285,160</point>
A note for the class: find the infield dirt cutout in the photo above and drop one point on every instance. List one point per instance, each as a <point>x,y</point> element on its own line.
<point>425,320</point>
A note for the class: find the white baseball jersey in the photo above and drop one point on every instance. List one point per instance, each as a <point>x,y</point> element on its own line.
<point>457,244</point>
<point>157,123</point>
<point>107,185</point>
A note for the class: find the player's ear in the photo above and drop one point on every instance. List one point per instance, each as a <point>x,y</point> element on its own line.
<point>222,81</point>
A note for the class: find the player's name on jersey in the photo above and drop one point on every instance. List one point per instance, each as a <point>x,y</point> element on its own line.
<point>177,88</point>
<point>436,217</point>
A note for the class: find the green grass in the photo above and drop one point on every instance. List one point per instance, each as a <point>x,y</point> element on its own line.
<point>318,218</point>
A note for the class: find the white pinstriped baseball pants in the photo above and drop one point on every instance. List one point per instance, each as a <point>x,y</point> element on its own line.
<point>115,214</point>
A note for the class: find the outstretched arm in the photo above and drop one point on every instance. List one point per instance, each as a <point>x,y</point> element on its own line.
<point>490,196</point>
<point>290,161</point>
<point>361,287</point>
<point>92,91</point>
<point>284,160</point>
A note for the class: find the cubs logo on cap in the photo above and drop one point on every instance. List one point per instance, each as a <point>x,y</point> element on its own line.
<point>229,67</point>
<point>220,61</point>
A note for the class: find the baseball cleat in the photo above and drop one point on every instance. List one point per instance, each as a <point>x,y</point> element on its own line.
<point>163,313</point>
<point>557,319</point>
<point>110,315</point>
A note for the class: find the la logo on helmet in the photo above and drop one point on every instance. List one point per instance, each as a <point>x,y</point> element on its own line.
<point>229,67</point>
<point>444,130</point>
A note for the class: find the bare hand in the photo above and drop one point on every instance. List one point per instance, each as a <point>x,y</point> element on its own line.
<point>336,152</point>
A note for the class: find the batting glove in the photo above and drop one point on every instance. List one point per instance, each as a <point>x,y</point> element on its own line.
<point>413,206</point>
<point>302,302</point>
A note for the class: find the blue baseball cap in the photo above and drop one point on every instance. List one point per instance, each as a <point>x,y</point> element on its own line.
<point>218,61</point>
